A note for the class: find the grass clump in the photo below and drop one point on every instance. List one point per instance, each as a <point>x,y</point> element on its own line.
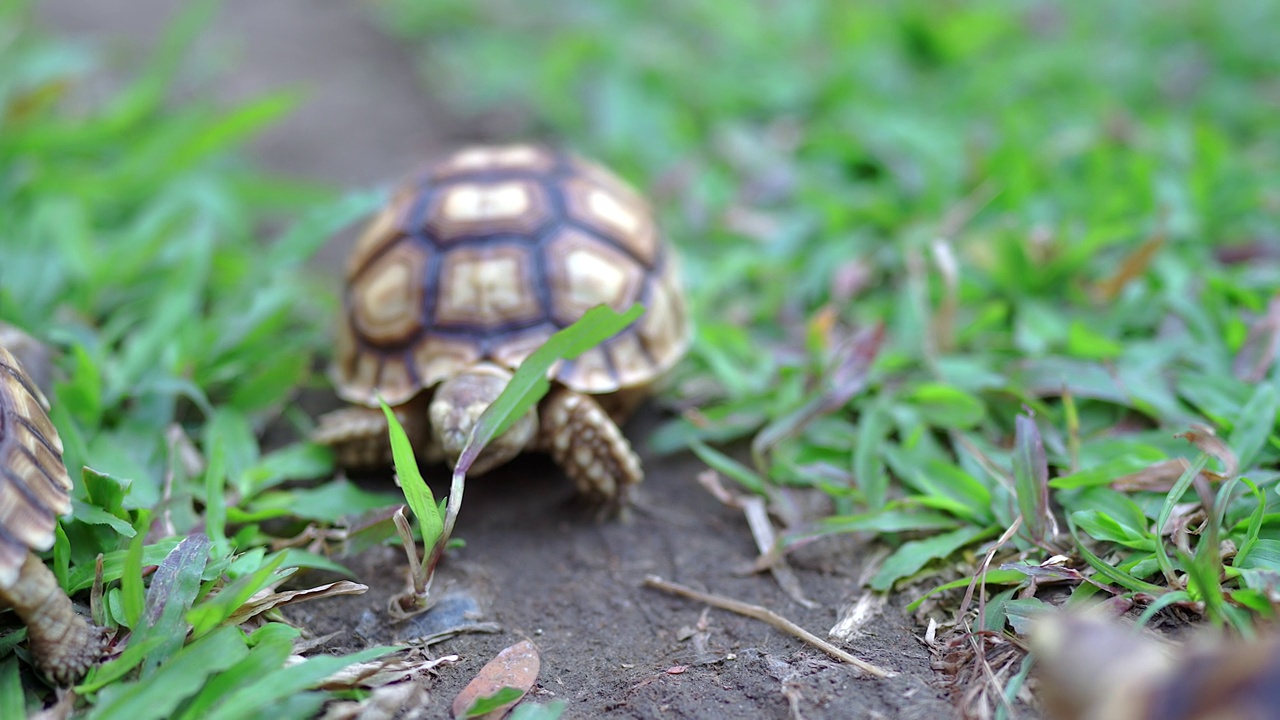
<point>525,390</point>
<point>133,230</point>
<point>1061,214</point>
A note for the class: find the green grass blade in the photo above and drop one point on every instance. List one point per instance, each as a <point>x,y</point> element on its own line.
<point>729,467</point>
<point>12,702</point>
<point>270,647</point>
<point>288,681</point>
<point>416,492</point>
<point>172,592</point>
<point>132,592</point>
<point>1257,422</point>
<point>61,556</point>
<point>914,555</point>
<point>114,565</point>
<point>1111,573</point>
<point>489,703</point>
<point>182,675</point>
<point>536,711</point>
<point>308,234</point>
<point>868,454</point>
<point>108,672</point>
<point>215,506</point>
<point>530,383</point>
<point>1031,477</point>
<point>1171,499</point>
<point>1255,524</point>
<point>232,128</point>
<point>209,614</point>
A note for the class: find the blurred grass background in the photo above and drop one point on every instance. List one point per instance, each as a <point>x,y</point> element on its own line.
<point>1039,201</point>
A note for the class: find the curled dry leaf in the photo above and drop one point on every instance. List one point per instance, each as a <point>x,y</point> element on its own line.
<point>771,556</point>
<point>767,543</point>
<point>1203,437</point>
<point>381,672</point>
<point>1157,477</point>
<point>402,701</point>
<point>711,481</point>
<point>515,667</point>
<point>268,600</point>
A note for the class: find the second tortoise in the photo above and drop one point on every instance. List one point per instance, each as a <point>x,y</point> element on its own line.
<point>466,272</point>
<point>34,490</point>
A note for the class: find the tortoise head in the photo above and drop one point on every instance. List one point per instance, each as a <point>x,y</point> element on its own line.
<point>457,406</point>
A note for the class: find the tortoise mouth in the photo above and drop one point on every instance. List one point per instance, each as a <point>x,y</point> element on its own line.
<point>452,441</point>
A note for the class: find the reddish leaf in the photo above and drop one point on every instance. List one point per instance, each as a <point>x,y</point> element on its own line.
<point>515,667</point>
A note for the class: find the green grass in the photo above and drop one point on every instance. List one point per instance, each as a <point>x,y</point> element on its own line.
<point>133,244</point>
<point>1037,201</point>
<point>983,245</point>
<point>527,387</point>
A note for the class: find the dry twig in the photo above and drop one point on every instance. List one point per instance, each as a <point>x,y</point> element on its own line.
<point>766,615</point>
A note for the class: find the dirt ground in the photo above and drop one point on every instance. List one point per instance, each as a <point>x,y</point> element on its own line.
<point>538,566</point>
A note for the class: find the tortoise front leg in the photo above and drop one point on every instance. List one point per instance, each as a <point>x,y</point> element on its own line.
<point>359,435</point>
<point>583,440</point>
<point>63,644</point>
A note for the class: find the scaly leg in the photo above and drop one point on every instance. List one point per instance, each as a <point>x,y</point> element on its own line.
<point>64,645</point>
<point>583,440</point>
<point>358,435</point>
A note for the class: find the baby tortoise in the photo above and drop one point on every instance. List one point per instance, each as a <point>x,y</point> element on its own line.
<point>34,490</point>
<point>1092,667</point>
<point>466,272</point>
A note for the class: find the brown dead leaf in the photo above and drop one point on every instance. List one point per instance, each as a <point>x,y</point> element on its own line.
<point>402,701</point>
<point>515,667</point>
<point>1158,477</point>
<point>269,600</point>
<point>384,671</point>
<point>766,538</point>
<point>1134,265</point>
<point>1203,437</point>
<point>711,481</point>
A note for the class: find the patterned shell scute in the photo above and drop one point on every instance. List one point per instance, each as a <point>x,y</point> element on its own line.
<point>490,251</point>
<point>34,486</point>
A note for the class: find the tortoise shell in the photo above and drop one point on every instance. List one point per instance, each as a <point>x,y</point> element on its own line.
<point>485,255</point>
<point>34,486</point>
